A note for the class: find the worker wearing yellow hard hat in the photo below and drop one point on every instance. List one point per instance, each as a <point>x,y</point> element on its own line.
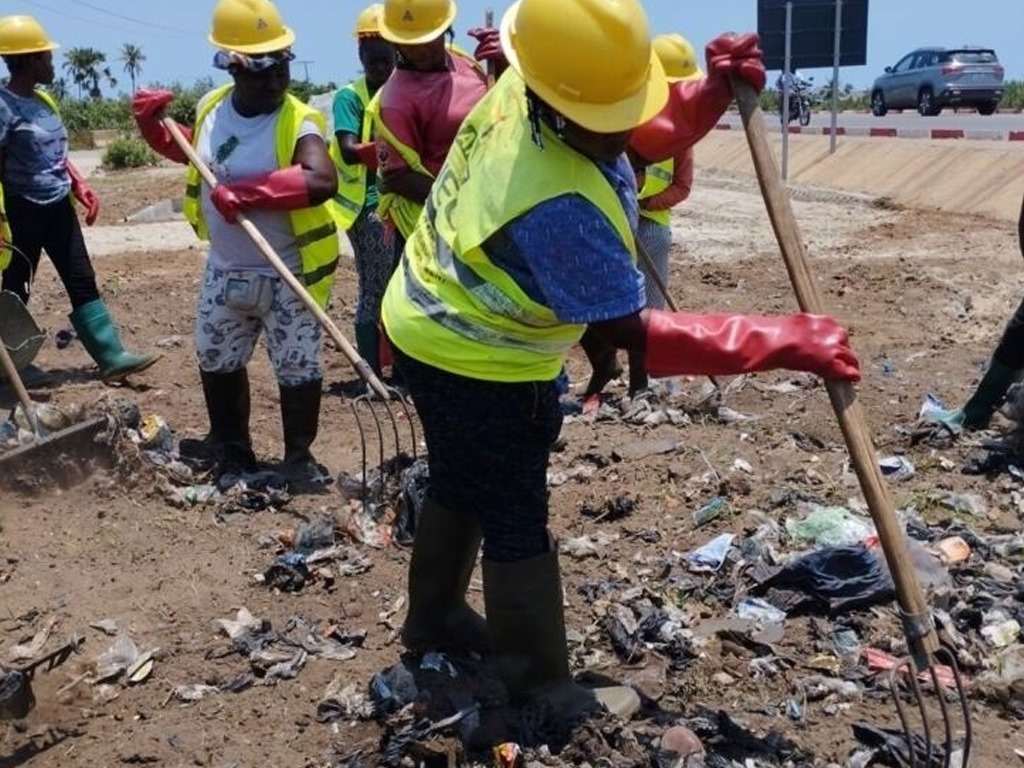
<point>355,154</point>
<point>418,111</point>
<point>269,154</point>
<point>527,237</point>
<point>662,185</point>
<point>39,182</point>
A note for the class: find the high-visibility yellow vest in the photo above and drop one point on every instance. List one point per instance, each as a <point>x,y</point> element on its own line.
<point>315,228</point>
<point>401,210</point>
<point>351,197</point>
<point>5,235</point>
<point>657,178</point>
<point>450,306</point>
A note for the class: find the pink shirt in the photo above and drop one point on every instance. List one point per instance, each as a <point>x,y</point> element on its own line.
<point>425,109</point>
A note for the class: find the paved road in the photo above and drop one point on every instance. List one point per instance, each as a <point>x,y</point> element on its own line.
<point>912,122</point>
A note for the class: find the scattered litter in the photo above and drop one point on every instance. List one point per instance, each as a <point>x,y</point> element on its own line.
<point>999,629</point>
<point>710,511</point>
<point>755,609</point>
<point>106,626</point>
<point>710,557</point>
<point>828,526</point>
<point>952,550</point>
<point>588,545</point>
<point>896,468</point>
<point>343,699</point>
<point>609,510</point>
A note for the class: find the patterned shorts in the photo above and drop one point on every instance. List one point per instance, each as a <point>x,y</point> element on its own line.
<point>235,306</point>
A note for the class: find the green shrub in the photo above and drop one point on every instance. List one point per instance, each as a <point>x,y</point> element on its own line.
<point>128,151</point>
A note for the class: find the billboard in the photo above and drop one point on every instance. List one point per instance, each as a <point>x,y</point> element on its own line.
<point>813,32</point>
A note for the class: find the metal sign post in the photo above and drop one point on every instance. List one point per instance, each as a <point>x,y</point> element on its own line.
<point>812,34</point>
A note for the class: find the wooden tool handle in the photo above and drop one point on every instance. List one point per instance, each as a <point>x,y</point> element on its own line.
<point>361,366</point>
<point>916,615</point>
<point>19,387</point>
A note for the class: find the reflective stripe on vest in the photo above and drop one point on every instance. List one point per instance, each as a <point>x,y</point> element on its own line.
<point>351,195</point>
<point>448,304</point>
<point>657,178</point>
<point>315,229</point>
<point>5,235</point>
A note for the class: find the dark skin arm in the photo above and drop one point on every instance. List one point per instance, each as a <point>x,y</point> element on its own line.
<point>347,142</point>
<point>407,183</point>
<point>629,332</point>
<point>321,175</point>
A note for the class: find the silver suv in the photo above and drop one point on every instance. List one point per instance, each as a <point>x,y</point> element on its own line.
<point>929,79</point>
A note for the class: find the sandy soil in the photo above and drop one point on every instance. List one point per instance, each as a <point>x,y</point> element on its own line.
<point>924,294</point>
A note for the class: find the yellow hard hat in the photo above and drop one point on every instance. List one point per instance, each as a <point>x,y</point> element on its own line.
<point>368,21</point>
<point>411,22</point>
<point>589,59</point>
<point>677,57</point>
<point>249,26</point>
<point>23,34</point>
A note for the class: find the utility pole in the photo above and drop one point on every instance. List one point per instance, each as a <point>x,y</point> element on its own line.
<point>305,67</point>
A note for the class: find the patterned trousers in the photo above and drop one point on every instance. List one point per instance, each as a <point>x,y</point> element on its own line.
<point>230,319</point>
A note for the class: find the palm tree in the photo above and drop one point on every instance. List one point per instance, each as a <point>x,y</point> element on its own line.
<point>132,56</point>
<point>86,68</point>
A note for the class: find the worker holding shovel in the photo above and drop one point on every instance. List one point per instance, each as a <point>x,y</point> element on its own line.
<point>40,182</point>
<point>527,237</point>
<point>268,153</point>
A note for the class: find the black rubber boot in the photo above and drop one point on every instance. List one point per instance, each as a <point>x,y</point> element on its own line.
<point>300,423</point>
<point>227,406</point>
<point>527,624</point>
<point>989,394</point>
<point>443,554</point>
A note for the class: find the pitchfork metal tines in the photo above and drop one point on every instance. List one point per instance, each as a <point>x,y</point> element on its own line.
<point>383,480</point>
<point>938,671</point>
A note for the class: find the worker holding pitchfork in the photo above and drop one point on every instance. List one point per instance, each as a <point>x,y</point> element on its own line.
<point>268,153</point>
<point>526,238</point>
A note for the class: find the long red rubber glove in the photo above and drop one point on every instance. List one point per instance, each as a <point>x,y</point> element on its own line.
<point>148,109</point>
<point>694,106</point>
<point>83,193</point>
<point>680,343</point>
<point>283,190</point>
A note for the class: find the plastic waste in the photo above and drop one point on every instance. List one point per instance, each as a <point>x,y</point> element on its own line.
<point>829,526</point>
<point>896,468</point>
<point>1000,630</point>
<point>392,689</point>
<point>710,557</point>
<point>756,609</point>
<point>64,338</point>
<point>710,511</point>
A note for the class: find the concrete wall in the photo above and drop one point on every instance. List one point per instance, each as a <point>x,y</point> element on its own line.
<point>983,178</point>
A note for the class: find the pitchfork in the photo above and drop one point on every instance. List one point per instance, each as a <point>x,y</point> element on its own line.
<point>918,623</point>
<point>378,391</point>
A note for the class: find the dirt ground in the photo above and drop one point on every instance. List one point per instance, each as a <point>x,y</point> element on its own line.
<point>924,294</point>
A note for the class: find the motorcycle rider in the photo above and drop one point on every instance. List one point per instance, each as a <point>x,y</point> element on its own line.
<point>799,87</point>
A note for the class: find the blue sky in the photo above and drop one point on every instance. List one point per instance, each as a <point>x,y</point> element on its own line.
<point>172,35</point>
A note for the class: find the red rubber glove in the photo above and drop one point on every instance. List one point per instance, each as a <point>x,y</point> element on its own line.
<point>695,106</point>
<point>367,154</point>
<point>738,55</point>
<point>679,343</point>
<point>283,190</point>
<point>148,109</point>
<point>488,45</point>
<point>83,193</point>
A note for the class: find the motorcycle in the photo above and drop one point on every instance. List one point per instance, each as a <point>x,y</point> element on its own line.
<point>799,102</point>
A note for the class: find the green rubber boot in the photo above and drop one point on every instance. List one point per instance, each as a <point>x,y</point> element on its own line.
<point>96,329</point>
